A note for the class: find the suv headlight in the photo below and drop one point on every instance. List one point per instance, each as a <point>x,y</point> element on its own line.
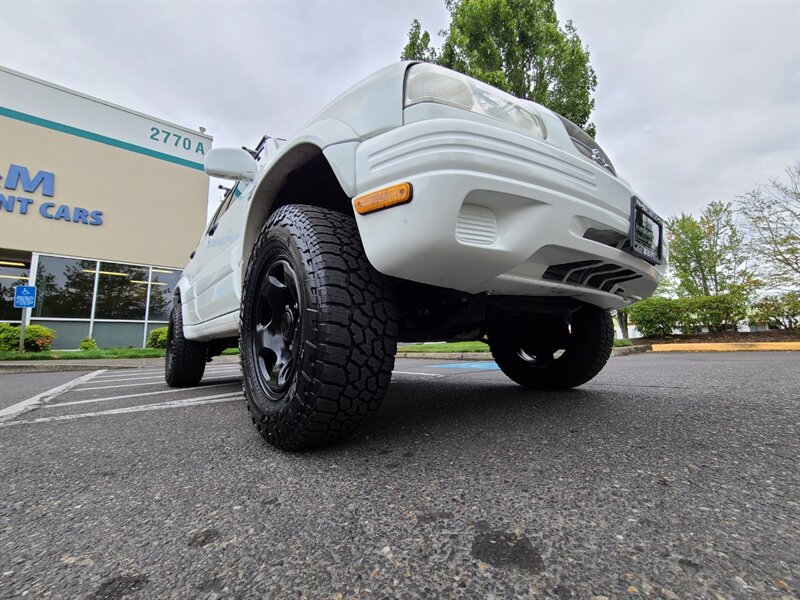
<point>431,83</point>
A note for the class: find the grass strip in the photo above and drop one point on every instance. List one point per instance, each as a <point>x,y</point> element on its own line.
<point>85,354</point>
<point>446,347</point>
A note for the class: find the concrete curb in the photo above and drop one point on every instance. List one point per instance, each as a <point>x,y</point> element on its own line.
<point>48,367</point>
<point>728,347</point>
<point>628,350</point>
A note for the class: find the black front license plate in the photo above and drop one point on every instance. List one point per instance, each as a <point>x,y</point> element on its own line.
<point>647,232</point>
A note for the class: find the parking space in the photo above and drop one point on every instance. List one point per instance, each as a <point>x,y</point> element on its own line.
<point>109,392</point>
<point>665,476</point>
<point>21,386</point>
<point>128,390</point>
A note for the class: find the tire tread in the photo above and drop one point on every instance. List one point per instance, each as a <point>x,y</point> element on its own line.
<point>347,364</point>
<point>188,357</point>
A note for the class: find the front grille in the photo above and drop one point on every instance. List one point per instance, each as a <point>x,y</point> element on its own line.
<point>590,273</point>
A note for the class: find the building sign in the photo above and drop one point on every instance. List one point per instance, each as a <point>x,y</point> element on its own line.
<point>18,176</point>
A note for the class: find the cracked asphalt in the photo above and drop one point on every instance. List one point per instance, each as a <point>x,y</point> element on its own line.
<point>667,476</point>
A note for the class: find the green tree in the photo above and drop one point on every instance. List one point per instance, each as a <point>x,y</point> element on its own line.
<point>773,215</point>
<point>708,255</point>
<point>517,46</point>
<point>419,45</point>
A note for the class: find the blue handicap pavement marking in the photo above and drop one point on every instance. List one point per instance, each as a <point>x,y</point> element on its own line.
<point>482,366</point>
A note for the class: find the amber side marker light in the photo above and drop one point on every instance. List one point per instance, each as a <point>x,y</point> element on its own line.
<point>391,196</point>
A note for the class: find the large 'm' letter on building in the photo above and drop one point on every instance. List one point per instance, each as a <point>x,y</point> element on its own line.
<point>44,178</point>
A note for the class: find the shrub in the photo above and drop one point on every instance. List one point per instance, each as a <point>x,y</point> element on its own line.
<point>38,338</point>
<point>778,312</point>
<point>685,315</point>
<point>655,317</point>
<point>157,338</point>
<point>88,343</point>
<point>9,337</point>
<point>719,313</point>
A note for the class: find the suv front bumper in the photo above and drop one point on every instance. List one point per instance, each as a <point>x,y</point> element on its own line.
<point>497,212</point>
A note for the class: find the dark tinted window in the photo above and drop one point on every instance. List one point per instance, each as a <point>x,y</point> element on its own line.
<point>64,288</point>
<point>161,290</point>
<point>121,291</point>
<point>13,272</point>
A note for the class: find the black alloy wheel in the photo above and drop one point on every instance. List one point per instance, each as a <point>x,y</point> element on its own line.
<point>277,342</point>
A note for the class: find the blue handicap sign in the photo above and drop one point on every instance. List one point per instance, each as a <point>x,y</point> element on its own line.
<point>25,296</point>
<point>477,366</point>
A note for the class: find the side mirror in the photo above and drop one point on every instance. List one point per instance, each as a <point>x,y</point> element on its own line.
<point>230,163</point>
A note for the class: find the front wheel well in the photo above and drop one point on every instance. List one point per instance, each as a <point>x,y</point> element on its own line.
<point>313,183</point>
<point>303,176</point>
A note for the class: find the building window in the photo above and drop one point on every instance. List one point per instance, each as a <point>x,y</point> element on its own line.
<point>13,272</point>
<point>121,292</point>
<point>64,288</point>
<point>162,287</point>
<point>68,288</point>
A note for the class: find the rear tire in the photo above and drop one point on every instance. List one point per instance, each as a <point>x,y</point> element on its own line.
<point>185,361</point>
<point>552,352</point>
<point>319,329</point>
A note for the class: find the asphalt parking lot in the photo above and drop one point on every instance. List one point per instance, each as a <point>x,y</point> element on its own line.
<point>671,476</point>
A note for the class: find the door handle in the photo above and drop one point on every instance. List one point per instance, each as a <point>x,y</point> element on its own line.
<point>213,229</point>
<point>191,256</point>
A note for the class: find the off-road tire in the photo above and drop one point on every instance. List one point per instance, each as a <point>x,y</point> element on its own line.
<point>185,360</point>
<point>524,348</point>
<point>339,330</point>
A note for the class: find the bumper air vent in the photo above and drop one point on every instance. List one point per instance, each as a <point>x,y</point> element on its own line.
<point>476,225</point>
<point>590,273</point>
<point>608,237</point>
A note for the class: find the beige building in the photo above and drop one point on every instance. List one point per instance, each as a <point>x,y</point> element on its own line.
<point>100,207</point>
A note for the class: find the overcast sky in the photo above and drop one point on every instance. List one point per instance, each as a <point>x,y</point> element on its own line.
<point>696,100</point>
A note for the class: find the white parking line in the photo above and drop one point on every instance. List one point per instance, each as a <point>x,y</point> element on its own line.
<point>416,373</point>
<point>126,396</point>
<point>161,376</point>
<point>31,403</point>
<point>136,374</point>
<point>110,387</point>
<point>126,372</point>
<point>199,401</point>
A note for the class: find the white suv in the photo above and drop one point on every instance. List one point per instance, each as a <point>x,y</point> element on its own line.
<point>419,205</point>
